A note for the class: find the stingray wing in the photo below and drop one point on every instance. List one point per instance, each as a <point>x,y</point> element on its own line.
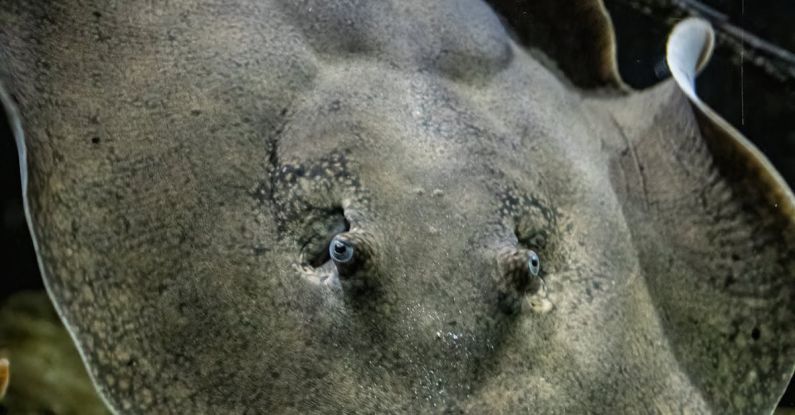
<point>147,134</point>
<point>714,224</point>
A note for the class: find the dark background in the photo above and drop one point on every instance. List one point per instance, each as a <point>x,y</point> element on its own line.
<point>752,88</point>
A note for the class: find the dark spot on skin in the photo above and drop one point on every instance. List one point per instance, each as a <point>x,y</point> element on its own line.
<point>729,281</point>
<point>735,257</point>
<point>284,112</point>
<point>508,304</point>
<point>259,250</point>
<point>703,200</point>
<point>195,113</point>
<point>756,333</point>
<point>511,200</point>
<point>75,229</point>
<point>335,106</point>
<point>183,308</point>
<point>130,363</point>
<point>95,140</point>
<point>275,375</point>
<point>317,171</point>
<point>96,14</point>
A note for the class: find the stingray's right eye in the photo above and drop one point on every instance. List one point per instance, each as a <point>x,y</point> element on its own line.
<point>533,263</point>
<point>340,250</point>
<point>319,233</point>
<point>521,270</point>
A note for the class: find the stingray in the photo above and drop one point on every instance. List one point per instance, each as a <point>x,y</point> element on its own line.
<point>393,207</point>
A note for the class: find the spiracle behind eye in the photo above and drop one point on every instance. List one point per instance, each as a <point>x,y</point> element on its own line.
<point>533,263</point>
<point>340,251</point>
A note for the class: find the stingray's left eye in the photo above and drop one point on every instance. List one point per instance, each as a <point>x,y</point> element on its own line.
<point>341,251</point>
<point>533,263</point>
<point>352,254</point>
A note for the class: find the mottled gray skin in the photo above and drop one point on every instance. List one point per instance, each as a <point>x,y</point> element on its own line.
<point>189,162</point>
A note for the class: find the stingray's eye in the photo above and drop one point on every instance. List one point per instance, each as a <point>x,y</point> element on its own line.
<point>519,276</point>
<point>352,255</point>
<point>340,250</point>
<point>533,263</point>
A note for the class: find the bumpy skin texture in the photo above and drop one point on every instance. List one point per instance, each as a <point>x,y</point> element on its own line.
<point>188,162</point>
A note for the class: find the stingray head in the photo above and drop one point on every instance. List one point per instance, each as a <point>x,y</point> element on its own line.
<point>393,207</point>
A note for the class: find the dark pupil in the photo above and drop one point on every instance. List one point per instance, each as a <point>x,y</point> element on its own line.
<point>339,247</point>
<point>534,262</point>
